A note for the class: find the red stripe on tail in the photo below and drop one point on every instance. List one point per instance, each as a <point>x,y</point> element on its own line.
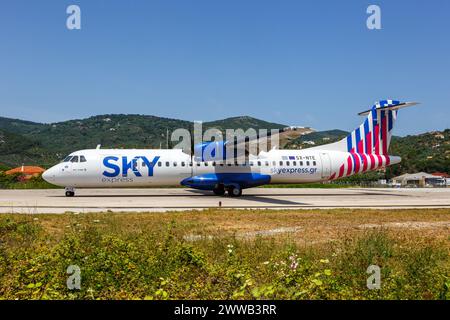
<point>369,143</point>
<point>349,165</point>
<point>357,162</point>
<point>384,134</point>
<point>372,161</point>
<point>377,139</point>
<point>341,171</point>
<point>364,157</point>
<point>360,146</point>
<point>380,161</point>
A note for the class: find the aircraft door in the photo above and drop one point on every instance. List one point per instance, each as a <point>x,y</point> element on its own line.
<point>326,165</point>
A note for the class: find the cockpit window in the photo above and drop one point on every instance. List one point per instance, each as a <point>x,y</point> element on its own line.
<point>74,159</point>
<point>67,159</point>
<point>82,159</point>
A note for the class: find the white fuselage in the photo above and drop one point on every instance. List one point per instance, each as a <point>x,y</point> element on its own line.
<point>109,168</point>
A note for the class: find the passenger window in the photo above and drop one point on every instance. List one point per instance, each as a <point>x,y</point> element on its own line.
<point>143,165</point>
<point>274,163</point>
<point>229,164</point>
<point>259,163</point>
<point>167,163</point>
<point>214,164</point>
<point>159,164</point>
<point>267,163</point>
<point>314,163</point>
<point>198,164</point>
<point>183,163</point>
<point>206,164</point>
<point>74,159</point>
<point>294,163</point>
<point>307,163</point>
<point>190,164</point>
<point>174,164</point>
<point>301,163</point>
<point>287,163</point>
<point>221,164</point>
<point>251,163</point>
<point>281,163</point>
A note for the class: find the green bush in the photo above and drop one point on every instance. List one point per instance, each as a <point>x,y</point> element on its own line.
<point>118,264</point>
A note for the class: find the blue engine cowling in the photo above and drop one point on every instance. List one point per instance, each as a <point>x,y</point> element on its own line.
<point>209,181</point>
<point>210,151</point>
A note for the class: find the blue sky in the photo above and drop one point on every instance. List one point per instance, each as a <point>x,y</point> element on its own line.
<point>311,63</point>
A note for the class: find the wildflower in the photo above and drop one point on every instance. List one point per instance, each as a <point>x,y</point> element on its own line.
<point>294,263</point>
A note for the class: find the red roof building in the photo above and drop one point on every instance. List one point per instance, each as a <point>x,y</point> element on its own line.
<point>441,174</point>
<point>26,170</point>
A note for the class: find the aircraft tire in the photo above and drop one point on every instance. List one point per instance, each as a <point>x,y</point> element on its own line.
<point>235,192</point>
<point>70,193</point>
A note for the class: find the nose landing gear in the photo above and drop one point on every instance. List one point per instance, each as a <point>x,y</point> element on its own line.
<point>70,192</point>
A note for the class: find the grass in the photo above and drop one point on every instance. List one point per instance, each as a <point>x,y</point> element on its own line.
<point>227,254</point>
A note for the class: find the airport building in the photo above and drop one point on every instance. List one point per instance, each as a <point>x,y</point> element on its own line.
<point>420,179</point>
<point>26,171</point>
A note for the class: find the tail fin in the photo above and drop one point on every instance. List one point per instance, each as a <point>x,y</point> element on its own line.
<point>374,135</point>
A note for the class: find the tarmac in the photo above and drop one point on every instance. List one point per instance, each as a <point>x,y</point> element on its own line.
<point>177,199</point>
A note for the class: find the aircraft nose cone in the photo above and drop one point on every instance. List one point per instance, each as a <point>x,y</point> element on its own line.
<point>48,176</point>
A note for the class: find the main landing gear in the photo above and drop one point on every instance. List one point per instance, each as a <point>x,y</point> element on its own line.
<point>70,192</point>
<point>219,191</point>
<point>233,191</point>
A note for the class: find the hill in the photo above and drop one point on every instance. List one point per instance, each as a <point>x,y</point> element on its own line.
<point>429,152</point>
<point>44,144</point>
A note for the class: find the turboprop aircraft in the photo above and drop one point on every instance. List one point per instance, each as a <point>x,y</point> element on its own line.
<point>364,149</point>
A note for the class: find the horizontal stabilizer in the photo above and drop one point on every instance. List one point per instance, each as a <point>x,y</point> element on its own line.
<point>390,107</point>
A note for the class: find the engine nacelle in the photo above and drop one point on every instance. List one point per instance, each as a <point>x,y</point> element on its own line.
<point>209,181</point>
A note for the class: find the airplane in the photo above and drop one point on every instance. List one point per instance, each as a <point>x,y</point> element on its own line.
<point>364,149</point>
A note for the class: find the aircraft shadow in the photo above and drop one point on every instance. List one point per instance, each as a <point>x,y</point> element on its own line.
<point>266,199</point>
<point>253,197</point>
<point>246,195</point>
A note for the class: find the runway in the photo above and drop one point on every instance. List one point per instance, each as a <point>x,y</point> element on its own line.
<point>160,200</point>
